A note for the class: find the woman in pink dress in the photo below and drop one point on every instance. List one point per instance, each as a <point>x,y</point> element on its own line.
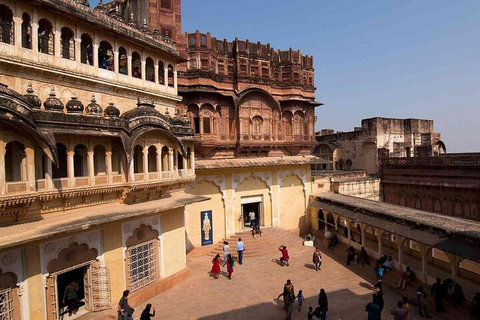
<point>230,264</point>
<point>216,266</point>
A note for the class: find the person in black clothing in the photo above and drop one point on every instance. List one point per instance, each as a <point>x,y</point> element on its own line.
<point>380,303</point>
<point>476,306</point>
<point>146,315</point>
<point>351,254</point>
<point>437,293</point>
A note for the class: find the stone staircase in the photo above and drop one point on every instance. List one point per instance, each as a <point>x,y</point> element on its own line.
<point>268,244</point>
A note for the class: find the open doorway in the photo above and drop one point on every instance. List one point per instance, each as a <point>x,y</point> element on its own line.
<point>251,207</point>
<point>71,295</point>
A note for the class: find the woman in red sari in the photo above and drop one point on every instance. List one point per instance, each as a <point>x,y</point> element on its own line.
<point>216,266</point>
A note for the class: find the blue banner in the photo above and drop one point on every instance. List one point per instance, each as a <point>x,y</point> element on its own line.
<point>206,223</point>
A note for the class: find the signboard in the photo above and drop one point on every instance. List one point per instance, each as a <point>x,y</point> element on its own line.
<point>206,224</point>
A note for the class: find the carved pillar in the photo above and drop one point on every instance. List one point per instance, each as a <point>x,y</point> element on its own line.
<point>362,230</point>
<point>95,53</point>
<point>48,173</point>
<point>17,32</point>
<point>156,72</point>
<point>175,84</point>
<point>129,65</point>
<point>143,64</point>
<point>399,242</point>
<point>170,162</point>
<point>57,33</point>
<point>454,264</point>
<point>90,169</point>
<point>131,170</point>
<point>70,169</point>
<point>192,162</point>
<point>165,74</point>
<point>2,167</point>
<point>424,250</point>
<point>158,160</point>
<point>145,162</point>
<point>78,53</point>
<point>30,168</point>
<point>349,232</point>
<point>116,60</point>
<point>379,234</point>
<point>108,164</point>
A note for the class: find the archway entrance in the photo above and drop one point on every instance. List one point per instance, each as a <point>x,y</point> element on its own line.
<point>252,204</point>
<point>73,294</point>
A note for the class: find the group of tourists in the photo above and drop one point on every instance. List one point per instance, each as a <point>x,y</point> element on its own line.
<point>125,311</point>
<point>228,260</point>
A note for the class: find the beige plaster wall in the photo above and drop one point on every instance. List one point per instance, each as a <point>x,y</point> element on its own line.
<point>173,241</point>
<point>192,214</point>
<point>292,203</point>
<point>35,281</point>
<point>113,255</point>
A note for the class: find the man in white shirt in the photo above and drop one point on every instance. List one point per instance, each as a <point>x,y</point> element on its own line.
<point>226,251</point>
<point>252,218</point>
<point>240,249</point>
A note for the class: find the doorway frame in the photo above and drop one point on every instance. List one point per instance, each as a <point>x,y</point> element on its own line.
<point>252,199</point>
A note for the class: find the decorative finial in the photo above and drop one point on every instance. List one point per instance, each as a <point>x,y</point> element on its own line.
<point>30,88</point>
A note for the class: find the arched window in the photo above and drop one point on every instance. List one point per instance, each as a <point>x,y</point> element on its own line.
<point>418,203</point>
<point>189,158</point>
<point>123,61</point>
<point>26,31</point>
<point>86,49</point>
<point>437,205</point>
<point>152,159</point>
<point>458,208</point>
<point>287,118</point>
<point>149,70</point>
<point>165,160</point>
<point>99,161</point>
<point>105,56</point>
<point>45,37</point>
<point>136,65</point>
<point>161,72</point>
<point>179,161</point>
<point>80,161</point>
<point>207,112</point>
<point>6,25</point>
<point>67,44</point>
<point>15,162</point>
<point>401,201</point>
<point>170,76</point>
<point>257,123</point>
<point>61,171</point>
<point>138,159</point>
<point>193,113</point>
<point>117,159</point>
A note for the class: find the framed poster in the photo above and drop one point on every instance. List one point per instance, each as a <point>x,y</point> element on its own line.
<point>207,227</point>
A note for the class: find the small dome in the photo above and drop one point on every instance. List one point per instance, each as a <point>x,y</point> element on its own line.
<point>111,111</point>
<point>74,105</point>
<point>142,110</point>
<point>93,108</point>
<point>52,103</point>
<point>31,98</point>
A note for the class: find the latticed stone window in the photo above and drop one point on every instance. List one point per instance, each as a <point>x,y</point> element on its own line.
<point>142,262</point>
<point>6,304</point>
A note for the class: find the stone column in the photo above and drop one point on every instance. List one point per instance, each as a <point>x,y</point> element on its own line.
<point>90,167</point>
<point>175,84</point>
<point>129,65</point>
<point>454,264</point>
<point>30,168</point>
<point>349,232</point>
<point>34,39</point>
<point>165,74</point>
<point>362,230</point>
<point>78,43</point>
<point>17,36</point>
<point>57,33</point>
<point>399,241</point>
<point>145,162</point>
<point>143,64</point>
<point>131,174</point>
<point>170,162</point>
<point>95,51</point>
<point>116,60</point>
<point>108,165</point>
<point>48,174</point>
<point>2,167</point>
<point>192,162</point>
<point>70,169</point>
<point>424,250</point>
<point>379,234</point>
<point>155,70</point>
<point>158,159</point>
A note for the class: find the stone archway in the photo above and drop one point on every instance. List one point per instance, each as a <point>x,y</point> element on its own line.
<point>9,298</point>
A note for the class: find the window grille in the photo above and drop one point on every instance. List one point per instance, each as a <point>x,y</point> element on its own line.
<point>142,265</point>
<point>6,304</point>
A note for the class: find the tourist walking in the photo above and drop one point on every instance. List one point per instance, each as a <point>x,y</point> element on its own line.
<point>216,266</point>
<point>146,315</point>
<point>363,257</point>
<point>350,254</point>
<point>380,303</point>
<point>457,295</point>
<point>422,302</point>
<point>437,293</point>
<point>226,251</point>
<point>284,258</point>
<point>372,309</point>
<point>288,286</point>
<point>388,265</point>
<point>317,259</point>
<point>252,219</point>
<point>300,299</point>
<point>323,303</point>
<point>230,264</point>
<point>70,298</point>
<point>379,275</point>
<point>398,312</point>
<point>125,312</point>
<point>288,298</point>
<point>240,249</point>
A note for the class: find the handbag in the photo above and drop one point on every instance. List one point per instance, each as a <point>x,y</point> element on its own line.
<point>130,311</point>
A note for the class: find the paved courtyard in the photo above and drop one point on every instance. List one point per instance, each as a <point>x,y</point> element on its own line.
<point>252,292</point>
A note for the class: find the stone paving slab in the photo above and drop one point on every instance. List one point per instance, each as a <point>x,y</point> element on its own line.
<point>255,285</point>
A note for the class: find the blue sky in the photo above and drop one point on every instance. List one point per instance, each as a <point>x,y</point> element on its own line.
<point>388,58</point>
